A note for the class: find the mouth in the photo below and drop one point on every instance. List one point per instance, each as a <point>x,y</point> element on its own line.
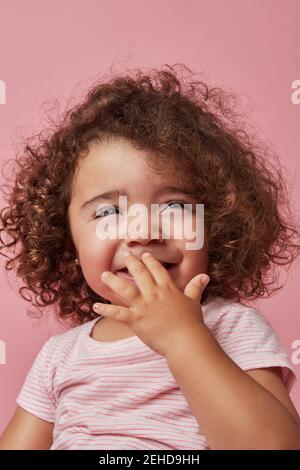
<point>125,273</point>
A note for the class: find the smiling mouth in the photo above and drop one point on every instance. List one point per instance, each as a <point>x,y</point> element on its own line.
<point>125,273</point>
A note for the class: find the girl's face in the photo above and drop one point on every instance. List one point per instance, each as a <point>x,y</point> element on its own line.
<point>117,166</point>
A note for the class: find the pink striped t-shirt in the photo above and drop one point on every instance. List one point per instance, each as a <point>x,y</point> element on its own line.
<point>122,395</point>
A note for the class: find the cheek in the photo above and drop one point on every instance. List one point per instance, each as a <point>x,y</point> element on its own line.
<point>194,262</point>
<point>197,262</point>
<point>95,257</point>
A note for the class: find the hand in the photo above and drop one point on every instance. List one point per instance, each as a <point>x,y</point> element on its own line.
<point>158,311</point>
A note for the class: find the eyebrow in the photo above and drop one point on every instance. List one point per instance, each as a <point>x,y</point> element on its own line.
<point>115,193</point>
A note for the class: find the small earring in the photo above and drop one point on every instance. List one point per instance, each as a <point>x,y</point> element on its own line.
<point>76,261</point>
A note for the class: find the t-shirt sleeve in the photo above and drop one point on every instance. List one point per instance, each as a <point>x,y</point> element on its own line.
<point>246,335</point>
<point>37,393</point>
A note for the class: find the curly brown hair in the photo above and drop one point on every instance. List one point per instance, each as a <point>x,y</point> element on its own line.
<point>187,122</point>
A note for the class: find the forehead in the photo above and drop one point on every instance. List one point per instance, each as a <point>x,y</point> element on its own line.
<point>119,164</point>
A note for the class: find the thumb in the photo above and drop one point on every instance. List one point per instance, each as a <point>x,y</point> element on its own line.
<point>196,286</point>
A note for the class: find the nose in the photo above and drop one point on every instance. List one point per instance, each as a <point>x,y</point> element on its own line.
<point>143,233</point>
<point>142,241</point>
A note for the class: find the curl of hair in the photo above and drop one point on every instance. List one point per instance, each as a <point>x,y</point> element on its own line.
<point>184,123</point>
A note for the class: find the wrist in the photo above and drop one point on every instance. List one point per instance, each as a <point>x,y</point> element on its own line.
<point>189,339</point>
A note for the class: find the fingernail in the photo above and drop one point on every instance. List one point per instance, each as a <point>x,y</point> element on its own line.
<point>126,254</point>
<point>105,274</point>
<point>96,306</point>
<point>205,279</point>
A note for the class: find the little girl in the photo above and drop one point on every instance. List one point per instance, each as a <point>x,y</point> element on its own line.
<point>163,352</point>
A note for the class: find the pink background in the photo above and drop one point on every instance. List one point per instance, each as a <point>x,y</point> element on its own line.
<point>51,49</point>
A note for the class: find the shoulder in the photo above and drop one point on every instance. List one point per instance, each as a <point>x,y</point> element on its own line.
<point>60,345</point>
<point>247,336</point>
<point>221,313</point>
<point>58,354</point>
<point>235,324</point>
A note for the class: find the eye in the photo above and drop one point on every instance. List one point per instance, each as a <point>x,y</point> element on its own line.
<point>181,203</point>
<point>105,211</point>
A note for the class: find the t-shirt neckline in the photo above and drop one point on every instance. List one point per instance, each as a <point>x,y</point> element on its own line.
<point>103,344</point>
<point>131,339</point>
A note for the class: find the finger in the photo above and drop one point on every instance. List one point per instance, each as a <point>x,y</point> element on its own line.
<point>140,273</point>
<point>196,286</point>
<point>117,312</point>
<point>158,271</point>
<point>126,289</point>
